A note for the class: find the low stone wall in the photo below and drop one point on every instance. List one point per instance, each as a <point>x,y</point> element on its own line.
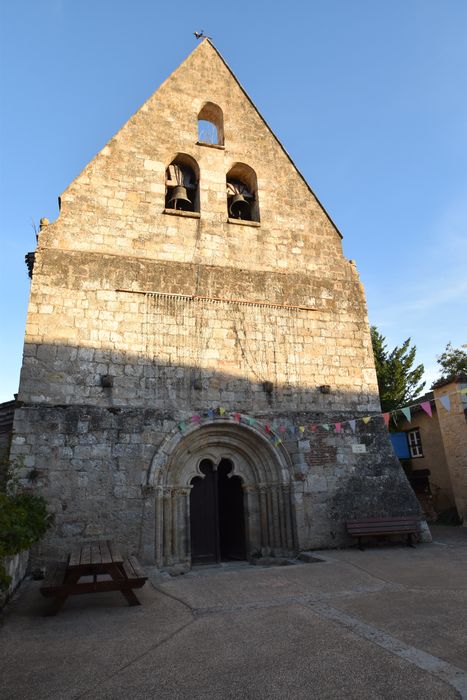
<point>15,566</point>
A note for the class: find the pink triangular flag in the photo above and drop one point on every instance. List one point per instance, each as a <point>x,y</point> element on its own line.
<point>426,407</point>
<point>352,424</point>
<point>386,418</point>
<point>237,417</point>
<point>446,401</point>
<point>313,428</point>
<point>195,419</point>
<point>338,427</point>
<point>407,413</point>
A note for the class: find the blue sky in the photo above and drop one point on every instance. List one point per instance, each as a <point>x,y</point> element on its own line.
<point>368,97</point>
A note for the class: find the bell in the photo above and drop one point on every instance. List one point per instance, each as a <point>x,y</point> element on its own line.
<point>179,199</point>
<point>239,207</point>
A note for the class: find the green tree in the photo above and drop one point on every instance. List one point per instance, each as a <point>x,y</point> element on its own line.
<point>399,382</point>
<point>24,518</point>
<point>453,361</point>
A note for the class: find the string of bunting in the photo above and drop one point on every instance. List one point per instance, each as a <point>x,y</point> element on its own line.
<point>278,432</point>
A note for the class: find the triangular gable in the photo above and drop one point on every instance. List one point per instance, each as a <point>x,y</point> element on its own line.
<point>219,55</point>
<point>206,44</point>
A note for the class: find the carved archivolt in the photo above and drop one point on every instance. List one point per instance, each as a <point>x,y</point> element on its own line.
<point>265,472</point>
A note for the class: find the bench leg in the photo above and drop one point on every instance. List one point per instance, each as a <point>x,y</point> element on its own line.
<point>119,575</point>
<point>56,605</point>
<point>130,596</point>
<point>410,540</point>
<point>360,545</point>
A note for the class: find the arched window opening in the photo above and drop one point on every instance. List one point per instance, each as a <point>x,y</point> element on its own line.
<point>207,132</point>
<point>242,195</point>
<point>211,125</point>
<point>181,184</point>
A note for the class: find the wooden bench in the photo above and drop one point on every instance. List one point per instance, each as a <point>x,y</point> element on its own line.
<point>103,564</point>
<point>384,527</point>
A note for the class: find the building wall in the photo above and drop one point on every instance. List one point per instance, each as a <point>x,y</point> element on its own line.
<point>270,302</point>
<point>7,410</point>
<point>453,426</point>
<point>433,458</point>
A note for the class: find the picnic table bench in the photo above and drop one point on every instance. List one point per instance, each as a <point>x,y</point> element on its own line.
<point>380,527</point>
<point>103,569</point>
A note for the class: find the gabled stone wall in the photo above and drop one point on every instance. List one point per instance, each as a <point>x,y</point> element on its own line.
<point>140,317</point>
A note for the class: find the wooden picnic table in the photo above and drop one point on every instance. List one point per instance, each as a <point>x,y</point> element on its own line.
<point>103,569</point>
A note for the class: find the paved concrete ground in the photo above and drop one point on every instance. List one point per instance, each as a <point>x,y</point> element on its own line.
<point>389,622</point>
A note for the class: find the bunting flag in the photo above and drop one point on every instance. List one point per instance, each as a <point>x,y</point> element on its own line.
<point>407,413</point>
<point>446,402</point>
<point>278,442</point>
<point>275,428</point>
<point>426,407</point>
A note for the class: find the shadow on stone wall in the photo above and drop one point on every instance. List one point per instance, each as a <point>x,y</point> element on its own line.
<point>89,423</point>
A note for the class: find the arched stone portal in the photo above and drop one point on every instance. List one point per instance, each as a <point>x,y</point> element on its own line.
<point>265,474</point>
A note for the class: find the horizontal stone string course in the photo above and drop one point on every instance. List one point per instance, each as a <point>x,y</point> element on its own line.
<point>199,297</point>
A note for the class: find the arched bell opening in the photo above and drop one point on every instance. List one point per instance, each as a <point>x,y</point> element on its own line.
<point>242,193</point>
<point>181,184</point>
<point>217,514</point>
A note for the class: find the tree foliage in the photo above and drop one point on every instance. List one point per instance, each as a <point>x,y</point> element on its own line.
<point>23,519</point>
<point>453,361</point>
<point>399,382</point>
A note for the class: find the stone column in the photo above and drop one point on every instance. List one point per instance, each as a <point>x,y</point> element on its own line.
<point>253,518</point>
<point>159,517</point>
<point>167,530</point>
<point>264,516</point>
<point>289,526</point>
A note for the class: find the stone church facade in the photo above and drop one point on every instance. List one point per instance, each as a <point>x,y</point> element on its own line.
<point>194,334</point>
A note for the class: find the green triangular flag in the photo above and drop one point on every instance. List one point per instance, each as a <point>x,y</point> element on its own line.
<point>407,413</point>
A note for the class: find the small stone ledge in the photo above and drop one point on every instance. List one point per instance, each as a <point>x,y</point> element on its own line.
<point>187,214</point>
<point>243,222</point>
<point>219,146</point>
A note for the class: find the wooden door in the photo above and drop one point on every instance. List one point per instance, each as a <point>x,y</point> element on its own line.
<point>217,515</point>
<point>203,516</point>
